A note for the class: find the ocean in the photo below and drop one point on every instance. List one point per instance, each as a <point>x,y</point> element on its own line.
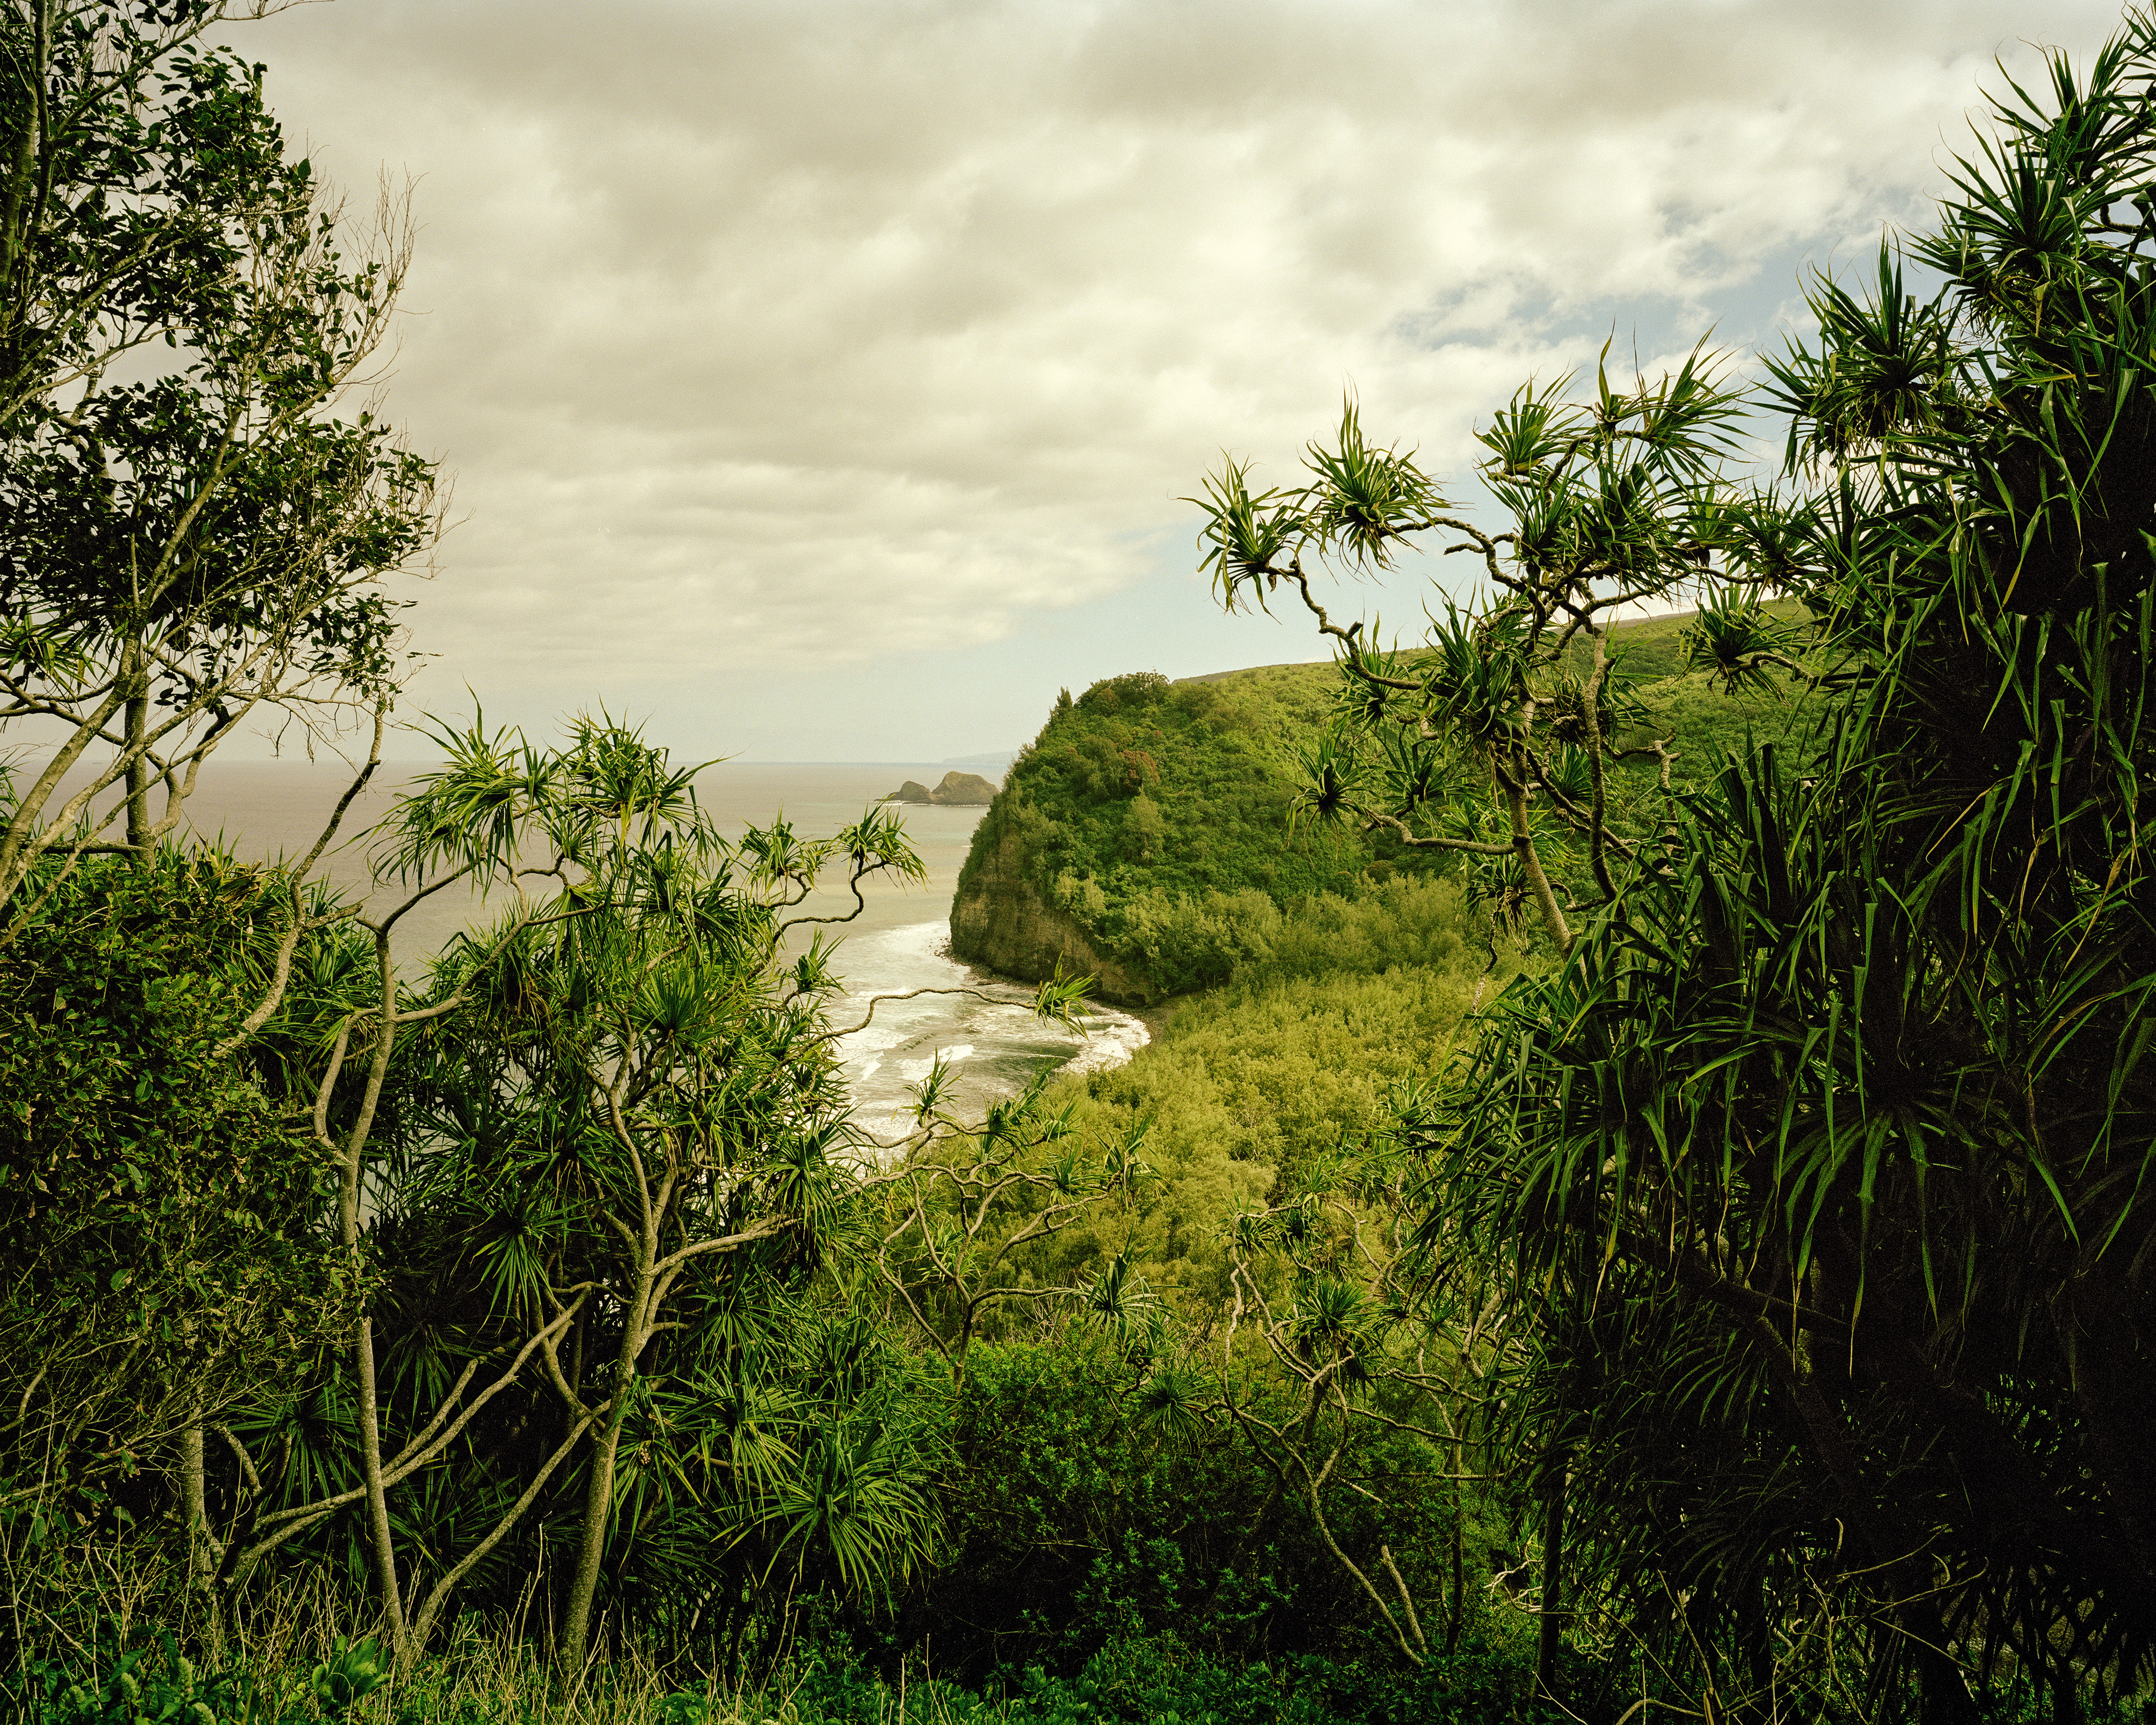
<point>899,941</point>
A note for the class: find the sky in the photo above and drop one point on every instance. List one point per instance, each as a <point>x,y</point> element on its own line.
<point>821,382</point>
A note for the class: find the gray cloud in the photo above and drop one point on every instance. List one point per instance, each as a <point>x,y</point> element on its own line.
<point>791,335</point>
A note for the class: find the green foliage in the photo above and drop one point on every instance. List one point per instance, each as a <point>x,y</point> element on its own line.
<point>1101,1445</point>
<point>1161,817</point>
<point>602,1185</point>
<point>353,1671</point>
<point>1162,1680</point>
<point>1490,739</point>
<point>1154,813</point>
<point>1778,1246</point>
<point>1269,1082</point>
<point>1670,694</point>
<point>232,1186</point>
<point>1083,1517</point>
<point>1813,1188</point>
<point>157,1208</point>
<point>189,532</point>
<point>152,1683</point>
<point>822,1680</point>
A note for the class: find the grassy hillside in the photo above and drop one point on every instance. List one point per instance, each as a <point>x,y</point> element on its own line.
<point>1153,817</point>
<point>1700,721</point>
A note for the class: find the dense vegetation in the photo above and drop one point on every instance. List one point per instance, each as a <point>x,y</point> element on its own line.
<point>377,1327</point>
<point>1160,816</point>
<point>1650,1216</point>
<point>1802,1205</point>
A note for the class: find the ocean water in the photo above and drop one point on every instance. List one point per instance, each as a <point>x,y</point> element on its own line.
<point>896,942</point>
<point>987,1036</point>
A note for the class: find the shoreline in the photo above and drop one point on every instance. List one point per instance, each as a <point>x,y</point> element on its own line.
<point>977,1021</point>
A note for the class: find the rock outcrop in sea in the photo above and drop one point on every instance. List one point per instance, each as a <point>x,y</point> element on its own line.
<point>964,789</point>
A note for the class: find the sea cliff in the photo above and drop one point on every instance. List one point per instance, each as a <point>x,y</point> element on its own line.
<point>1141,837</point>
<point>999,919</point>
<point>1145,836</point>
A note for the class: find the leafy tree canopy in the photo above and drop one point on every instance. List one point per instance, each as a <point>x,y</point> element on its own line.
<point>189,534</point>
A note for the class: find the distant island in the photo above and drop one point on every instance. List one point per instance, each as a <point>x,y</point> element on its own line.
<point>968,789</point>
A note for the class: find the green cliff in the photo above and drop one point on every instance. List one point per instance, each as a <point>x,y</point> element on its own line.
<point>1144,837</point>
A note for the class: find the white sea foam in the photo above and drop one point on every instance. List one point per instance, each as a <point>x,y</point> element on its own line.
<point>985,1029</point>
<point>1111,1044</point>
<point>915,1070</point>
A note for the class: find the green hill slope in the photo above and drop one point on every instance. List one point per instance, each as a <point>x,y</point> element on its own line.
<point>1144,835</point>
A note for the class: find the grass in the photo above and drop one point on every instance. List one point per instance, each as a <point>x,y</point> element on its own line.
<point>485,1678</point>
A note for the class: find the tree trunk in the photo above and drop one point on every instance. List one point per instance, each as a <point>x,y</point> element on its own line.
<point>379,1535</point>
<point>591,1554</point>
<point>1530,864</point>
<point>194,1505</point>
<point>138,770</point>
<point>1459,1565</point>
<point>598,1485</point>
<point>1552,1620</point>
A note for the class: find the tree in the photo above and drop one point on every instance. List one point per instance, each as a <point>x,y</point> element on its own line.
<point>611,1086</point>
<point>1819,1172</point>
<point>1495,741</point>
<point>1616,502</point>
<point>181,547</point>
<point>155,1250</point>
<point>589,1168</point>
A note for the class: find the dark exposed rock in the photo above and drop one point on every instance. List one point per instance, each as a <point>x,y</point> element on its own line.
<point>1000,921</point>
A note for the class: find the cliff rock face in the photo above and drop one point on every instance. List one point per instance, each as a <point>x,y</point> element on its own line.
<point>967,790</point>
<point>1000,921</point>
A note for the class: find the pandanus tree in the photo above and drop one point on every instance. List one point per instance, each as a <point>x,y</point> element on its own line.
<point>585,1160</point>
<point>643,1090</point>
<point>1819,1175</point>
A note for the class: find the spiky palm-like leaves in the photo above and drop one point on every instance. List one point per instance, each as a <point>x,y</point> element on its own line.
<point>598,1171</point>
<point>1614,499</point>
<point>1817,1179</point>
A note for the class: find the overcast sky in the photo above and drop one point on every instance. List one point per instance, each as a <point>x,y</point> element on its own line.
<point>819,380</point>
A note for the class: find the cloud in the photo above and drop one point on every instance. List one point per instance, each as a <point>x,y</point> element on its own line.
<point>810,334</point>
